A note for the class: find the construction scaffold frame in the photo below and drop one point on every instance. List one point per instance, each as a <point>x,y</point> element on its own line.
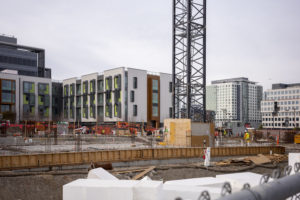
<point>189,59</point>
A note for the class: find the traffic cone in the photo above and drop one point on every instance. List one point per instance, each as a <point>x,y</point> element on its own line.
<point>277,140</point>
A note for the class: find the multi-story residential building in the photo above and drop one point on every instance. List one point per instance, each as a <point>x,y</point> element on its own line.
<point>280,106</point>
<point>120,94</point>
<point>28,98</point>
<point>236,103</point>
<point>29,61</point>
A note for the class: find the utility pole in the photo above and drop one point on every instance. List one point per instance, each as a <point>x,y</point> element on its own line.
<point>189,59</point>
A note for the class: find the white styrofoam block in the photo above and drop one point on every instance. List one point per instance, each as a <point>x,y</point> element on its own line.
<point>237,180</point>
<point>90,189</point>
<point>148,190</point>
<point>205,181</point>
<point>293,158</point>
<point>171,192</point>
<point>100,173</point>
<point>74,190</point>
<point>146,178</point>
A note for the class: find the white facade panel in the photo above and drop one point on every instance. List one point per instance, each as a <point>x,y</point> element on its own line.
<point>140,95</point>
<point>165,96</point>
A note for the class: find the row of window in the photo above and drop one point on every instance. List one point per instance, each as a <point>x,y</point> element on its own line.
<point>281,124</point>
<point>18,61</point>
<point>282,92</point>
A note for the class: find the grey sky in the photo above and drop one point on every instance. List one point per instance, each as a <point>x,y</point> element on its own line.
<point>258,39</point>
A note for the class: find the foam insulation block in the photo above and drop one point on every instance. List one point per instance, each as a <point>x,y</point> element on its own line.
<point>206,181</point>
<point>171,192</point>
<point>91,189</point>
<point>148,190</point>
<point>237,180</point>
<point>293,158</point>
<point>100,173</point>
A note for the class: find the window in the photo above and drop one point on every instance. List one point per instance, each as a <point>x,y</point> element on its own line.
<point>6,85</point>
<point>135,82</point>
<point>170,112</point>
<point>154,98</point>
<point>92,86</point>
<point>135,111</point>
<point>100,85</point>
<point>100,99</point>
<point>131,96</point>
<point>155,111</point>
<point>170,87</point>
<point>28,87</point>
<point>154,84</point>
<point>6,97</point>
<point>78,89</point>
<point>4,108</point>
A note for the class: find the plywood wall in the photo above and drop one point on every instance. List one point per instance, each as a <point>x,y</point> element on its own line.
<point>179,132</point>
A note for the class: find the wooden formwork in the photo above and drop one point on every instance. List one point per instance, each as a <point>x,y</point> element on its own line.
<point>76,158</point>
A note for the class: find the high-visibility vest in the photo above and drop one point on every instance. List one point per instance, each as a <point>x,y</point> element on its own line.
<point>247,136</point>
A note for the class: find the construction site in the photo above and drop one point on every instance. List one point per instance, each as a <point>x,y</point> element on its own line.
<point>32,167</point>
<point>136,135</point>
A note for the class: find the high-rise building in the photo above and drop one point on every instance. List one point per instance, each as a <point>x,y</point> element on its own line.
<point>280,106</point>
<point>120,94</point>
<point>236,103</point>
<point>29,61</point>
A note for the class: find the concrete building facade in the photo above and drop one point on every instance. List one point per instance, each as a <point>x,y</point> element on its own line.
<point>120,94</point>
<point>236,103</point>
<point>281,106</point>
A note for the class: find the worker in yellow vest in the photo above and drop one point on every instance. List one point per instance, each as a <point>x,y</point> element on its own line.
<point>247,137</point>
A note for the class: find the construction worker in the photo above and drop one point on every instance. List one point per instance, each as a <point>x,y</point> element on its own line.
<point>247,137</point>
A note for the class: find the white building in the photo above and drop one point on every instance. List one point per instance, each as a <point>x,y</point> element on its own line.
<point>120,94</point>
<point>287,98</point>
<point>236,103</point>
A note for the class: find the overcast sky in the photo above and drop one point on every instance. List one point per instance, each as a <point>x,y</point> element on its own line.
<point>258,39</point>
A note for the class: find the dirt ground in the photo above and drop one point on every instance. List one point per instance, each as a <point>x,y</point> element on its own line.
<point>49,186</point>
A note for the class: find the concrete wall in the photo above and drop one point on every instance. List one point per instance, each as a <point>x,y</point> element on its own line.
<point>165,96</point>
<point>140,95</point>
